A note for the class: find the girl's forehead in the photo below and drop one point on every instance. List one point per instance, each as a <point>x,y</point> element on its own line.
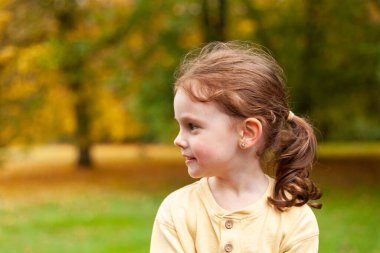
<point>194,88</point>
<point>186,109</point>
<point>181,96</point>
<point>183,103</point>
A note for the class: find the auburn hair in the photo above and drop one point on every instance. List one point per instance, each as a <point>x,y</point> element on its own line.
<point>246,81</point>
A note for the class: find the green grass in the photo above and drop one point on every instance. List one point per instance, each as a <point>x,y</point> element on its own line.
<point>116,223</point>
<point>349,220</point>
<point>107,223</point>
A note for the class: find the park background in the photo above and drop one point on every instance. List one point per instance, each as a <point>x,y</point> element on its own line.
<point>86,118</point>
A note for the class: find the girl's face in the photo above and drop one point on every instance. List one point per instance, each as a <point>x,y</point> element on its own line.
<point>208,138</point>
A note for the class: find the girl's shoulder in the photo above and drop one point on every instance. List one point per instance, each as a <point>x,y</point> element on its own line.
<point>180,202</point>
<point>299,213</point>
<point>182,194</point>
<point>180,205</point>
<point>302,213</point>
<point>296,219</point>
<point>298,224</point>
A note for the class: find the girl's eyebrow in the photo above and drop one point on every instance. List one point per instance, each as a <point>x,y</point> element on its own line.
<point>187,118</point>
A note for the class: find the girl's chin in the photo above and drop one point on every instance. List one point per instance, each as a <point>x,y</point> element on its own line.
<point>194,172</point>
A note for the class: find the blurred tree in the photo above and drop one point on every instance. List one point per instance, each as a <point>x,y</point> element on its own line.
<point>166,34</point>
<point>74,54</point>
<point>68,49</point>
<point>336,88</point>
<point>102,71</point>
<point>78,52</point>
<point>322,46</point>
<point>23,83</point>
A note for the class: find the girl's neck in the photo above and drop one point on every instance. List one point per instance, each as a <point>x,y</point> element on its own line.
<point>239,189</point>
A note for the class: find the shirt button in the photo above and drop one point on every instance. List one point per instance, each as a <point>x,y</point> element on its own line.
<point>229,224</point>
<point>228,247</point>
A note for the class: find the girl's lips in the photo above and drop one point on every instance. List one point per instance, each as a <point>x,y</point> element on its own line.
<point>189,159</point>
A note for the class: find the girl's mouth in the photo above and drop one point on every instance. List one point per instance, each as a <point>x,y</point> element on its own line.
<point>189,159</point>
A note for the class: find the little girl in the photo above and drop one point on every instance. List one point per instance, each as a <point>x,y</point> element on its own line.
<point>235,122</point>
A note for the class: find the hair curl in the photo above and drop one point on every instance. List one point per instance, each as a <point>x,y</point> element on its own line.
<point>246,81</point>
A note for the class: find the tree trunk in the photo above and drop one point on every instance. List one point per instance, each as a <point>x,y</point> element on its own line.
<point>214,14</point>
<point>73,66</point>
<point>83,119</point>
<point>84,160</point>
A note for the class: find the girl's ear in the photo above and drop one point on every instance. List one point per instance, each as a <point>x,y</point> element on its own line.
<point>250,133</point>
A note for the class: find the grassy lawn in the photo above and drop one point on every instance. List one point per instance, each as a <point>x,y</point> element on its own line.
<point>115,223</point>
<point>103,223</point>
<point>349,220</point>
<point>47,208</point>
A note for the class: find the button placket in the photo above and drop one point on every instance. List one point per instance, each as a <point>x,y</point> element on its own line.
<point>229,236</point>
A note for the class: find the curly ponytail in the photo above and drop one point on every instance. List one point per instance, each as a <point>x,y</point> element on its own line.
<point>294,148</point>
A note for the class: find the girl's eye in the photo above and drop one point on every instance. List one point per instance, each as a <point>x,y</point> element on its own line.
<point>192,126</point>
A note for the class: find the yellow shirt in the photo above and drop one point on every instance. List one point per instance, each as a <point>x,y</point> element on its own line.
<point>189,220</point>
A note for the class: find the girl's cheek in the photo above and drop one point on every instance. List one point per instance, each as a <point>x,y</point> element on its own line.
<point>201,150</point>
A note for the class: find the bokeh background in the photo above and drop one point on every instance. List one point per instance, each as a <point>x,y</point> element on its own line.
<point>86,118</point>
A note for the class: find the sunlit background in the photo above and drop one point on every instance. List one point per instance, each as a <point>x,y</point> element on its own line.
<point>86,118</point>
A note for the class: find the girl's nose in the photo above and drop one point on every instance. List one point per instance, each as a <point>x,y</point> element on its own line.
<point>179,141</point>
